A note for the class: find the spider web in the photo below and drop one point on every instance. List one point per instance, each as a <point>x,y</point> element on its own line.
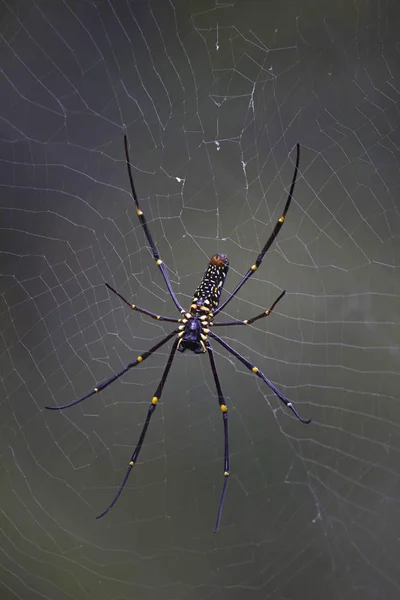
<point>213,98</point>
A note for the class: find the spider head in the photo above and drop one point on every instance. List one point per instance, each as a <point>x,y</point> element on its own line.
<point>190,338</point>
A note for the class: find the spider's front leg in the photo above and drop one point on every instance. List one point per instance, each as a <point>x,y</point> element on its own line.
<point>224,410</point>
<point>150,412</point>
<point>101,386</point>
<point>259,374</point>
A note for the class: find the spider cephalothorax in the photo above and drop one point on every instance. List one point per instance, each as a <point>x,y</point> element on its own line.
<point>192,336</point>
<point>193,332</point>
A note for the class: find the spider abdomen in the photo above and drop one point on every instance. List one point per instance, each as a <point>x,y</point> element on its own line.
<point>207,296</point>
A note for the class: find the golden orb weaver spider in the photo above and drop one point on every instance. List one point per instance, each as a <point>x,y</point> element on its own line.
<point>193,332</point>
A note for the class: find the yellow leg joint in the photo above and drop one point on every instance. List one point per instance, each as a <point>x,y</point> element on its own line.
<point>254,268</point>
<point>255,370</point>
<point>267,312</point>
<point>139,212</point>
<point>282,219</point>
<point>131,463</point>
<point>159,262</point>
<point>154,400</point>
<point>226,473</point>
<point>139,358</point>
<point>96,389</point>
<point>223,408</point>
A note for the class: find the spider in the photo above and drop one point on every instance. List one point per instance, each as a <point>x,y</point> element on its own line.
<point>194,332</point>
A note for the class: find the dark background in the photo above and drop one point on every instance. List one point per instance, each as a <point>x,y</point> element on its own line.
<point>214,97</point>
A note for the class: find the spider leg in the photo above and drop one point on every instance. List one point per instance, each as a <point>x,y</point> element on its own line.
<point>259,374</point>
<point>146,230</point>
<point>269,242</point>
<point>100,386</point>
<point>251,321</point>
<point>142,310</point>
<point>224,410</point>
<point>152,408</point>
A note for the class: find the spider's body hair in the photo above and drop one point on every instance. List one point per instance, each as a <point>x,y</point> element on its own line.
<point>205,299</point>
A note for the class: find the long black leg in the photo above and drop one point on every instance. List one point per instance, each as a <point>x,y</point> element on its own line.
<point>100,386</point>
<point>251,321</point>
<point>224,410</point>
<point>143,223</point>
<point>142,310</point>
<point>269,242</point>
<point>259,374</point>
<point>150,412</point>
